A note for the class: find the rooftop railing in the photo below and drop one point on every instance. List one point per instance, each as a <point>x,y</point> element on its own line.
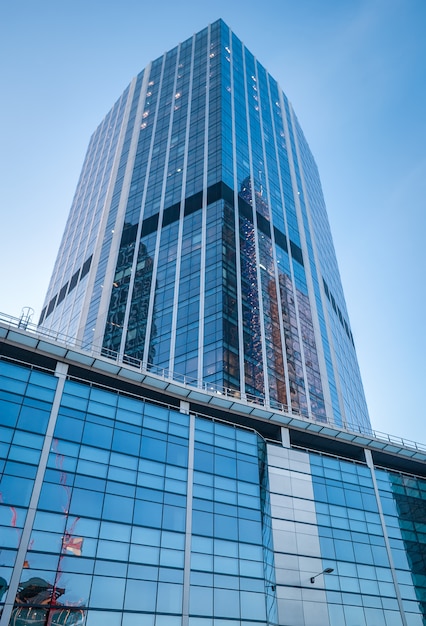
<point>206,386</point>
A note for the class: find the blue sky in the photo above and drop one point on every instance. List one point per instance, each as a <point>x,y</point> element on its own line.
<point>355,71</point>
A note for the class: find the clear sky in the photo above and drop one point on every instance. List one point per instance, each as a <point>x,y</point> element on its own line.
<point>355,71</point>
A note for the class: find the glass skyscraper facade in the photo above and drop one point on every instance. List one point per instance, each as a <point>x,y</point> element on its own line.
<point>198,241</point>
<point>184,439</point>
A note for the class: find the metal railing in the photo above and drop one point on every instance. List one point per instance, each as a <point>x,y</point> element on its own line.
<point>204,386</point>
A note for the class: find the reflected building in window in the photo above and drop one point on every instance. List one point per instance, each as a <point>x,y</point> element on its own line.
<point>198,241</point>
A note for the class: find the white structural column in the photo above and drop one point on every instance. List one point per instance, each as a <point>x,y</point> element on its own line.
<point>188,528</point>
<point>237,231</point>
<point>151,301</point>
<point>138,235</point>
<point>119,220</point>
<point>311,291</point>
<point>370,463</point>
<point>61,372</point>
<point>181,217</point>
<point>204,219</point>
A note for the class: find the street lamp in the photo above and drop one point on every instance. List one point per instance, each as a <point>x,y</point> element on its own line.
<point>327,570</point>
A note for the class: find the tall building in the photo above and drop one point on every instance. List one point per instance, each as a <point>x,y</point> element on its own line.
<point>198,242</point>
<point>183,437</point>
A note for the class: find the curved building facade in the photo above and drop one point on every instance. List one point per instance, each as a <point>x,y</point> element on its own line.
<point>198,240</point>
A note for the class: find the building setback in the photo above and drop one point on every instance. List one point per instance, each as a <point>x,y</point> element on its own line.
<point>198,240</point>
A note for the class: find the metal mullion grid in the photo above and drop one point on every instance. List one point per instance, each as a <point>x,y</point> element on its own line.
<point>277,285</point>
<point>256,241</point>
<point>76,203</point>
<point>97,245</point>
<point>370,463</point>
<point>89,209</point>
<point>139,230</point>
<point>62,264</point>
<point>181,217</point>
<point>301,232</point>
<point>237,227</point>
<point>188,525</point>
<point>60,373</point>
<point>150,313</point>
<point>121,214</point>
<point>311,290</point>
<point>278,288</point>
<point>204,218</point>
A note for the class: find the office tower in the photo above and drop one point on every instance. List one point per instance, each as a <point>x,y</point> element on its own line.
<point>183,438</point>
<point>198,241</point>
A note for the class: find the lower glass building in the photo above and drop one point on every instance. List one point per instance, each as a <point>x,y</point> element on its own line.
<point>130,499</point>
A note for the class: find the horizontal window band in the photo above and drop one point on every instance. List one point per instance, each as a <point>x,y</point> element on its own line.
<point>66,289</point>
<point>216,192</point>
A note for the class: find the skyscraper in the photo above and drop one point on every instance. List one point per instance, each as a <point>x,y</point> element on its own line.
<point>184,439</point>
<point>198,240</point>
